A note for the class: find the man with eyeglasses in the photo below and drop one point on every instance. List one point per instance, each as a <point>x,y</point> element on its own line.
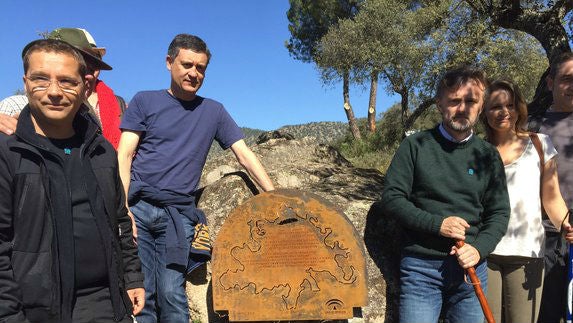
<point>66,245</point>
<point>104,105</point>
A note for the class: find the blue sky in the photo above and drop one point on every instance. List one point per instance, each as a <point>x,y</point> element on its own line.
<point>251,72</point>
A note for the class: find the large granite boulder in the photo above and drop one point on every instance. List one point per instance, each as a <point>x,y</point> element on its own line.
<point>320,169</point>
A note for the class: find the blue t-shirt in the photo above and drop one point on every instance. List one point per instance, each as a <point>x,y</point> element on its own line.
<point>176,137</point>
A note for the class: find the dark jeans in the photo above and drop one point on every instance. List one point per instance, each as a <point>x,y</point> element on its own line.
<point>165,298</point>
<point>553,297</point>
<point>429,287</point>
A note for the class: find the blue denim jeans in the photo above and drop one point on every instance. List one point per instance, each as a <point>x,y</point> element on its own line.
<point>165,298</point>
<point>431,286</point>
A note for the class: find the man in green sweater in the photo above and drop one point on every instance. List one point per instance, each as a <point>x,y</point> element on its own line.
<point>447,184</point>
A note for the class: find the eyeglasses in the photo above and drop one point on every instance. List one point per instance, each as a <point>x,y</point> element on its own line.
<point>42,83</point>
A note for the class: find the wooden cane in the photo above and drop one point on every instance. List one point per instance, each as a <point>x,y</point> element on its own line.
<point>477,287</point>
<point>569,287</point>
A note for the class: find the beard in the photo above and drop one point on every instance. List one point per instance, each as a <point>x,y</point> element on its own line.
<point>459,124</point>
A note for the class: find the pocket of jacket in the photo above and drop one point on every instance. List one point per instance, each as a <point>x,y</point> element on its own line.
<point>33,273</point>
<point>32,223</point>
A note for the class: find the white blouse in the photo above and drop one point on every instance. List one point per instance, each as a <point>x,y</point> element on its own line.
<point>525,235</point>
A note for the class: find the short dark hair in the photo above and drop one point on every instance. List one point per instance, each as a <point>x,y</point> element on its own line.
<point>519,104</point>
<point>54,46</point>
<point>556,63</point>
<point>190,42</point>
<point>454,79</point>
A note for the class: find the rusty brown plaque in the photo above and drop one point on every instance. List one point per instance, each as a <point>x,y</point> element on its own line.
<point>288,255</point>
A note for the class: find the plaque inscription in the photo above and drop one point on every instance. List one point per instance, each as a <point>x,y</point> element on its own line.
<point>288,255</point>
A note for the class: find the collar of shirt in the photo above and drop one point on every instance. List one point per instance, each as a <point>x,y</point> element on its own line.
<point>452,139</point>
<point>550,109</point>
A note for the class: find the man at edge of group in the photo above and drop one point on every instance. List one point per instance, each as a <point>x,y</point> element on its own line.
<point>447,184</point>
<point>166,136</point>
<point>66,246</point>
<point>557,123</point>
<point>104,105</point>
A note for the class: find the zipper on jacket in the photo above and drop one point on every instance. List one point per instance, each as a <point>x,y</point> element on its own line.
<point>54,266</point>
<point>23,198</point>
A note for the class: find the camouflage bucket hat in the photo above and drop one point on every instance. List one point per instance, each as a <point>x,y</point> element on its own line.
<point>77,38</point>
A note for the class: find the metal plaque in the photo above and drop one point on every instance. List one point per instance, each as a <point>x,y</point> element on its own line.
<point>288,255</point>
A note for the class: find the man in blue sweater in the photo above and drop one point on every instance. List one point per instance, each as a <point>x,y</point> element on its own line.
<point>172,131</point>
<point>443,185</point>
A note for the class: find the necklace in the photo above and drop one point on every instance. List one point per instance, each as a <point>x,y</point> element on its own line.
<point>67,151</point>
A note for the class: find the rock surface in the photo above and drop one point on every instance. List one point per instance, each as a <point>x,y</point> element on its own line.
<point>304,164</point>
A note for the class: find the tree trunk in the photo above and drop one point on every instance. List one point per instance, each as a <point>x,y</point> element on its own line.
<point>404,101</point>
<point>417,113</point>
<point>348,108</point>
<point>372,101</point>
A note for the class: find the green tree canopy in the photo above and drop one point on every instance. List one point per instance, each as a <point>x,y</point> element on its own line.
<point>309,21</point>
<point>411,44</point>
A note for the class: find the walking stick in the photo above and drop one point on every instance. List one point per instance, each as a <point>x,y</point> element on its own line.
<point>479,292</point>
<point>569,317</point>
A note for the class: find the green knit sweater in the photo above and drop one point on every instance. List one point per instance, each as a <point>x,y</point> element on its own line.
<point>432,178</point>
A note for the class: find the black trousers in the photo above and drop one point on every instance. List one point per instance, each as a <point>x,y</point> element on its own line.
<point>94,306</point>
<point>554,295</point>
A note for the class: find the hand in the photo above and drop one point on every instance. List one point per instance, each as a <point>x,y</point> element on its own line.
<point>8,123</point>
<point>134,232</point>
<point>454,227</point>
<point>567,231</point>
<point>133,226</point>
<point>468,256</point>
<point>137,297</point>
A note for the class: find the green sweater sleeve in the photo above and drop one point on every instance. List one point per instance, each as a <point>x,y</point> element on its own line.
<point>397,189</point>
<point>495,216</point>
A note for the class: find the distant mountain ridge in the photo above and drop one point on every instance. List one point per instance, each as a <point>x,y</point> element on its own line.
<point>325,132</point>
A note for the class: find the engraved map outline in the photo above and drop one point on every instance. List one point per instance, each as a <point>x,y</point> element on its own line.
<point>339,267</point>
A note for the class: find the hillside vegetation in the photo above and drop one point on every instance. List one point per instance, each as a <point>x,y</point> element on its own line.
<point>326,132</point>
<point>374,150</point>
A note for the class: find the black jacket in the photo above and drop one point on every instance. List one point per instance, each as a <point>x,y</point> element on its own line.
<point>32,288</point>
